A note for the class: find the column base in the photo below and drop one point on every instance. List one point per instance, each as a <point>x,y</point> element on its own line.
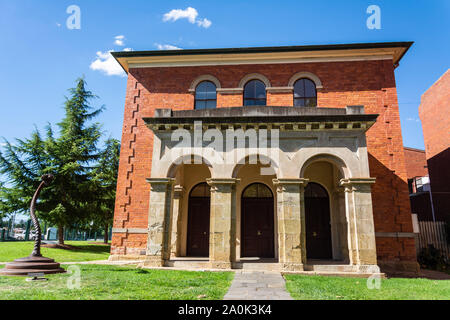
<point>367,268</point>
<point>292,267</point>
<point>153,262</point>
<point>220,265</point>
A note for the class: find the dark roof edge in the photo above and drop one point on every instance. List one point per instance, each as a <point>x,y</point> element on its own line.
<point>413,149</point>
<point>374,45</point>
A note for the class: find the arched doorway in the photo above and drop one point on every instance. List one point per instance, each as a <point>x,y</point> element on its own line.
<point>198,221</point>
<point>318,227</point>
<point>257,222</point>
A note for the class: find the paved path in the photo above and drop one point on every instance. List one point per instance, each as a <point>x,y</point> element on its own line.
<point>257,285</point>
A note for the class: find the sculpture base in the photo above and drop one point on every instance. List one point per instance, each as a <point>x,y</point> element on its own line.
<point>30,266</point>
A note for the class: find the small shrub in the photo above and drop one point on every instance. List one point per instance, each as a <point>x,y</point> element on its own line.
<point>431,258</point>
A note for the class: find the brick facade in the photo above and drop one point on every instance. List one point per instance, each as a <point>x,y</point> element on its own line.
<point>369,83</point>
<point>416,163</point>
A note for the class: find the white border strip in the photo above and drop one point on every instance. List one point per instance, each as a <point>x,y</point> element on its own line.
<point>255,61</point>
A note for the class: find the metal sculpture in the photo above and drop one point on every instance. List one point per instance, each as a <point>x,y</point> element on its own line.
<point>35,264</point>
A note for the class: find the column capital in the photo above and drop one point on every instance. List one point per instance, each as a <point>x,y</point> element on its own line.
<point>160,184</point>
<point>153,181</point>
<point>281,184</point>
<point>224,184</point>
<point>178,192</point>
<point>354,184</point>
<point>300,181</point>
<point>214,181</point>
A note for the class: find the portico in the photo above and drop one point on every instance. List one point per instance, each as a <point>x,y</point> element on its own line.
<point>292,188</point>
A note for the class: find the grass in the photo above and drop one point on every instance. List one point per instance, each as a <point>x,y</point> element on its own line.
<point>85,251</point>
<point>121,283</point>
<point>334,288</point>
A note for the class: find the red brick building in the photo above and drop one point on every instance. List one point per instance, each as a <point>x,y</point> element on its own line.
<point>331,153</point>
<point>433,111</point>
<point>418,183</point>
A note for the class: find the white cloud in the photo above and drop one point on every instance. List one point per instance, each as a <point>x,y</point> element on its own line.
<point>119,40</point>
<point>167,47</point>
<point>190,14</point>
<point>413,119</point>
<point>58,25</point>
<point>205,23</point>
<point>106,63</point>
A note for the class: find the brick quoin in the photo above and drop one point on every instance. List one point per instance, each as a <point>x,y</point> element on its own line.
<point>368,83</point>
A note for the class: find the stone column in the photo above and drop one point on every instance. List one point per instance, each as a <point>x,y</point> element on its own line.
<point>291,223</point>
<point>178,192</point>
<point>222,239</point>
<point>159,221</point>
<point>361,229</point>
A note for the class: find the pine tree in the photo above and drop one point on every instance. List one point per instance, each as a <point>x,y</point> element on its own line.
<point>105,183</point>
<point>70,157</point>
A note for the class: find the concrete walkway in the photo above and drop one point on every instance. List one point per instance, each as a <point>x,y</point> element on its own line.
<point>257,285</point>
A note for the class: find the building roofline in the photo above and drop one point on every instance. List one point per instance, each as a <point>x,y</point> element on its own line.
<point>374,45</point>
<point>125,57</point>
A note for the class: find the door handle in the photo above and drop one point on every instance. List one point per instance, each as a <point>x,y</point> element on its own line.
<point>314,234</point>
<point>205,233</point>
<point>259,233</point>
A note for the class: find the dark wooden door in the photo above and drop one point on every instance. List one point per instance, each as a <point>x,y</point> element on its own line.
<point>257,227</point>
<point>318,228</point>
<point>198,227</point>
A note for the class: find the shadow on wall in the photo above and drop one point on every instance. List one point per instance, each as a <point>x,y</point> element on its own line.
<point>439,171</point>
<point>392,210</point>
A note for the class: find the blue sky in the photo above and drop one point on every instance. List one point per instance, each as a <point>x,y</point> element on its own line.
<point>40,58</point>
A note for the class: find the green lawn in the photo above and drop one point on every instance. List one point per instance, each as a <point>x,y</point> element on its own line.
<point>121,283</point>
<point>85,251</point>
<point>333,288</point>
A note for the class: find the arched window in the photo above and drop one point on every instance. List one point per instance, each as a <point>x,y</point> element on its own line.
<point>257,190</point>
<point>205,95</point>
<point>315,190</point>
<point>255,93</point>
<point>202,190</point>
<point>305,93</point>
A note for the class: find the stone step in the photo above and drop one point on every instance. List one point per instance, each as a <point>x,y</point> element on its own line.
<point>260,266</point>
<point>337,274</point>
<point>194,264</point>
<point>331,268</point>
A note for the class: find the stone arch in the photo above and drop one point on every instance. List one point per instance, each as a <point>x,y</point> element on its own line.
<point>205,77</point>
<point>335,160</point>
<point>254,76</point>
<point>327,170</point>
<point>242,162</point>
<point>187,159</point>
<point>307,75</point>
